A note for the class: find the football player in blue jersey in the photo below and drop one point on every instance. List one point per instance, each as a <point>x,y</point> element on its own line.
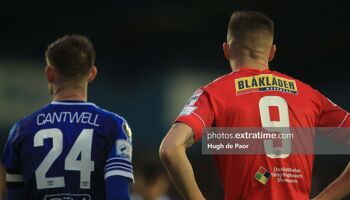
<point>71,148</point>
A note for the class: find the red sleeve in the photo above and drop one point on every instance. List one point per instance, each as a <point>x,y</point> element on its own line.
<point>332,115</point>
<point>197,113</point>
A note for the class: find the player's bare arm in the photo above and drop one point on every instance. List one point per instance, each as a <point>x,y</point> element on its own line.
<point>173,155</point>
<point>2,182</point>
<point>338,189</point>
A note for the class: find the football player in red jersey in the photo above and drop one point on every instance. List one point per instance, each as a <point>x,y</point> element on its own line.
<point>252,96</point>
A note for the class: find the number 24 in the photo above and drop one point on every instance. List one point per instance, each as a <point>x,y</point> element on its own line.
<point>82,146</point>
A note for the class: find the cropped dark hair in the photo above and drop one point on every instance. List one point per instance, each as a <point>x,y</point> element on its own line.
<point>72,56</point>
<point>243,23</point>
<point>249,32</point>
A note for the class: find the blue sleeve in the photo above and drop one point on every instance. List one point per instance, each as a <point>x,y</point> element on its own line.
<point>117,188</point>
<point>118,161</point>
<point>9,156</point>
<point>15,194</point>
<point>10,160</point>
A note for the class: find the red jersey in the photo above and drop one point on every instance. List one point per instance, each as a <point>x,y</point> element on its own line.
<point>244,99</point>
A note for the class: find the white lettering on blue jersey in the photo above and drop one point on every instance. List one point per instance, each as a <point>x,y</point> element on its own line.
<point>71,117</point>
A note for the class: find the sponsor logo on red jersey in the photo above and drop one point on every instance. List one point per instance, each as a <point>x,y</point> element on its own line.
<point>264,83</point>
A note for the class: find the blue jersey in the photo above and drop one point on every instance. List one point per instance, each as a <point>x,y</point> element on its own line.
<point>68,150</point>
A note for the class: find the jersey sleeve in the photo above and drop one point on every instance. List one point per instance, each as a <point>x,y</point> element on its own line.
<point>117,188</point>
<point>331,115</point>
<point>198,113</point>
<point>119,158</point>
<point>10,160</point>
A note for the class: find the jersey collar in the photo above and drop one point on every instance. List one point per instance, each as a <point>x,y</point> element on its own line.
<point>253,70</point>
<point>72,102</point>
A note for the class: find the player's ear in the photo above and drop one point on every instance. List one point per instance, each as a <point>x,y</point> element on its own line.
<point>92,73</point>
<point>272,52</point>
<point>227,50</point>
<point>50,74</point>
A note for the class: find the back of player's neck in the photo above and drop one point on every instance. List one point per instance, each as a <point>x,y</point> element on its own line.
<point>257,67</point>
<point>70,94</point>
<point>251,65</point>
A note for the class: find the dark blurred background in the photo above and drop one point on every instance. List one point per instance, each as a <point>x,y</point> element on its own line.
<point>152,55</point>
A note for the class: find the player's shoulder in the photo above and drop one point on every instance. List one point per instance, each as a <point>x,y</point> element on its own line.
<point>220,82</point>
<point>112,116</point>
<point>29,119</point>
<point>25,124</point>
<point>223,84</point>
<point>117,122</point>
<point>301,84</point>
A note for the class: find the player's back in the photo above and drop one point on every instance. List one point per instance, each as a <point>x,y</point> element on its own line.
<point>254,98</point>
<point>264,99</point>
<point>67,149</point>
